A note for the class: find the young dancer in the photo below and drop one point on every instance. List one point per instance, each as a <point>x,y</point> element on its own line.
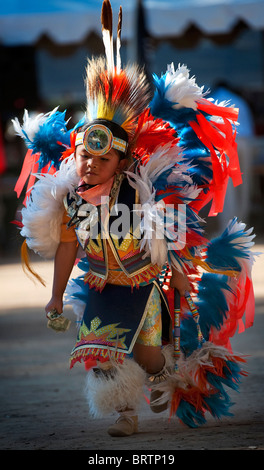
<point>121,193</point>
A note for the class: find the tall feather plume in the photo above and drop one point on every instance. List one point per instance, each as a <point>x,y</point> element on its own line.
<point>115,94</point>
<point>118,41</point>
<point>107,31</point>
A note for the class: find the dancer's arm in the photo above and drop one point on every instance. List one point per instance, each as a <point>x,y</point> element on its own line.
<point>63,265</point>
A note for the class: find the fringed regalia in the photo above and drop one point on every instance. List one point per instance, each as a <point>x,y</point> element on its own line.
<point>183,152</point>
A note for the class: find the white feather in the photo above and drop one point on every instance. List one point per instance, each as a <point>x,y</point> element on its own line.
<point>181,89</point>
<point>153,225</point>
<point>109,50</point>
<point>70,298</point>
<point>245,243</point>
<point>42,216</point>
<point>31,124</point>
<point>118,55</point>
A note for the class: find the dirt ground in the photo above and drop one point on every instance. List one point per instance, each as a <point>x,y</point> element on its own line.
<point>42,404</point>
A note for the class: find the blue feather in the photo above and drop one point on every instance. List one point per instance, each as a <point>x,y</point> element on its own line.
<point>82,290</point>
<point>162,108</point>
<point>218,406</point>
<point>224,253</point>
<point>51,140</point>
<point>195,152</point>
<point>189,338</point>
<point>211,302</point>
<point>212,306</point>
<point>188,414</point>
<point>83,264</point>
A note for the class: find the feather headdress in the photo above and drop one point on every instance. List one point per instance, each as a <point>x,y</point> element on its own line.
<point>113,93</point>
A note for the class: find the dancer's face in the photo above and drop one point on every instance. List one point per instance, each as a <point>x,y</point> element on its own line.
<point>97,169</point>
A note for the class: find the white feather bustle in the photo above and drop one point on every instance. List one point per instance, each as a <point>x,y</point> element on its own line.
<point>121,390</point>
<point>163,158</point>
<point>202,357</point>
<point>188,368</point>
<point>42,216</point>
<point>173,379</point>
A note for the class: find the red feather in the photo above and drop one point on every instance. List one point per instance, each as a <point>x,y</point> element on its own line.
<point>151,133</point>
<point>218,137</point>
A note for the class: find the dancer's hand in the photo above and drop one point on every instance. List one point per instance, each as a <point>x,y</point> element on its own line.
<point>180,282</point>
<point>54,303</point>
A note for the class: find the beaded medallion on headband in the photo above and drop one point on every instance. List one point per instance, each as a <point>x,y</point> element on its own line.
<point>98,140</point>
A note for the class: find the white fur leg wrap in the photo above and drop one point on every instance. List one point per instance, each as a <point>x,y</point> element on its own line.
<point>120,389</point>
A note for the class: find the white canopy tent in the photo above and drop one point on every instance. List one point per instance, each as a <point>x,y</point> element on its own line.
<point>24,22</point>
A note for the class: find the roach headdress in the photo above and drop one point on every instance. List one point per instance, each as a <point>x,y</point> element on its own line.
<point>114,93</point>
